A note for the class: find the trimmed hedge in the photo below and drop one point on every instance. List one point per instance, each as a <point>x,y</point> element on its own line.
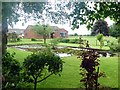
<point>33,39</point>
<point>65,40</point>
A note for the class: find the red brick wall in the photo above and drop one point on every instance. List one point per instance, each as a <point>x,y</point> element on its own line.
<point>28,33</point>
<point>57,33</point>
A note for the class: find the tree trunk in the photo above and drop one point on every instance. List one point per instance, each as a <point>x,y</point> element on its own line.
<point>96,42</point>
<point>35,84</point>
<point>44,37</point>
<point>4,32</point>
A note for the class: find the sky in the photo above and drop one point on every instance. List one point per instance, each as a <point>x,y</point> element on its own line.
<point>81,31</point>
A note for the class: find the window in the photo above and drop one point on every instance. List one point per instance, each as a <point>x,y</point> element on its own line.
<point>63,34</point>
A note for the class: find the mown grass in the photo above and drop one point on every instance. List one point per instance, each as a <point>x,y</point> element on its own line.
<point>91,39</point>
<point>19,54</point>
<point>26,41</point>
<point>70,77</point>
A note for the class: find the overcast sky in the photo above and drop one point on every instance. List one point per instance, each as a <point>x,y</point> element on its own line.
<point>81,31</point>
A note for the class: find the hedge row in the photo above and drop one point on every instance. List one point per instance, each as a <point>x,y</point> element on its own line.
<point>66,40</point>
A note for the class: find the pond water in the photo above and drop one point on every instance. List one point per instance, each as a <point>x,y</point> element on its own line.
<point>28,46</point>
<point>63,54</point>
<point>24,47</point>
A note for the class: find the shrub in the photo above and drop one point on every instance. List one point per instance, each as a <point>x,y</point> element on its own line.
<point>22,85</point>
<point>33,39</point>
<point>75,34</point>
<point>81,42</point>
<point>18,39</point>
<point>64,40</point>
<point>10,71</point>
<point>90,70</point>
<point>54,43</point>
<point>41,65</point>
<point>74,41</point>
<point>114,47</point>
<point>59,39</point>
<point>100,39</point>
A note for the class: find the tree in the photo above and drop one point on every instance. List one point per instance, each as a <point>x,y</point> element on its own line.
<point>89,12</point>
<point>11,11</point>
<point>10,15</point>
<point>54,43</point>
<point>75,34</point>
<point>44,30</point>
<point>12,37</point>
<point>100,39</point>
<point>101,27</point>
<point>90,69</point>
<point>115,30</point>
<point>10,71</point>
<point>41,65</point>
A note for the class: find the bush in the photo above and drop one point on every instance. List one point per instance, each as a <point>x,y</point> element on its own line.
<point>18,39</point>
<point>54,43</point>
<point>33,39</point>
<point>114,47</point>
<point>74,41</point>
<point>64,40</point>
<point>10,71</point>
<point>99,37</point>
<point>90,70</point>
<point>41,65</point>
<point>24,85</point>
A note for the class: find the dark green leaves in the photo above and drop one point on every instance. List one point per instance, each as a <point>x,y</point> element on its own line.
<point>101,10</point>
<point>10,71</point>
<point>100,26</point>
<point>36,63</point>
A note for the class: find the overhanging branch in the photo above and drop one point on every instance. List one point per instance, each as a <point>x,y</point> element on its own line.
<point>45,78</point>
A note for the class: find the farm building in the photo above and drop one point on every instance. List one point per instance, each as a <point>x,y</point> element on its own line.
<point>57,33</point>
<point>19,32</point>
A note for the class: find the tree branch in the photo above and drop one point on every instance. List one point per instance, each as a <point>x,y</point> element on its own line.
<point>45,78</point>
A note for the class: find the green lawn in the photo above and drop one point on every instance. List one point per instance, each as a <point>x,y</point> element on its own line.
<point>70,76</point>
<point>19,54</point>
<point>26,41</point>
<point>91,39</point>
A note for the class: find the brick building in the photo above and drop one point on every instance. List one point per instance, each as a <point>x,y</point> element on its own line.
<point>57,33</point>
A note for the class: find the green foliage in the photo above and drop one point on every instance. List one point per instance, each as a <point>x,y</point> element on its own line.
<point>71,69</point>
<point>84,13</point>
<point>10,71</point>
<point>100,26</point>
<point>54,42</point>
<point>33,39</point>
<point>81,42</point>
<point>90,70</point>
<point>75,34</point>
<point>114,47</point>
<point>99,37</point>
<point>115,30</point>
<point>12,37</point>
<point>10,15</point>
<point>44,30</point>
<point>64,40</point>
<point>41,65</point>
<point>22,85</point>
<point>74,41</point>
<point>18,39</point>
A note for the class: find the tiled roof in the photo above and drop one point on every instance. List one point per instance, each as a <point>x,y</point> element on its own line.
<point>18,31</point>
<point>55,28</point>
